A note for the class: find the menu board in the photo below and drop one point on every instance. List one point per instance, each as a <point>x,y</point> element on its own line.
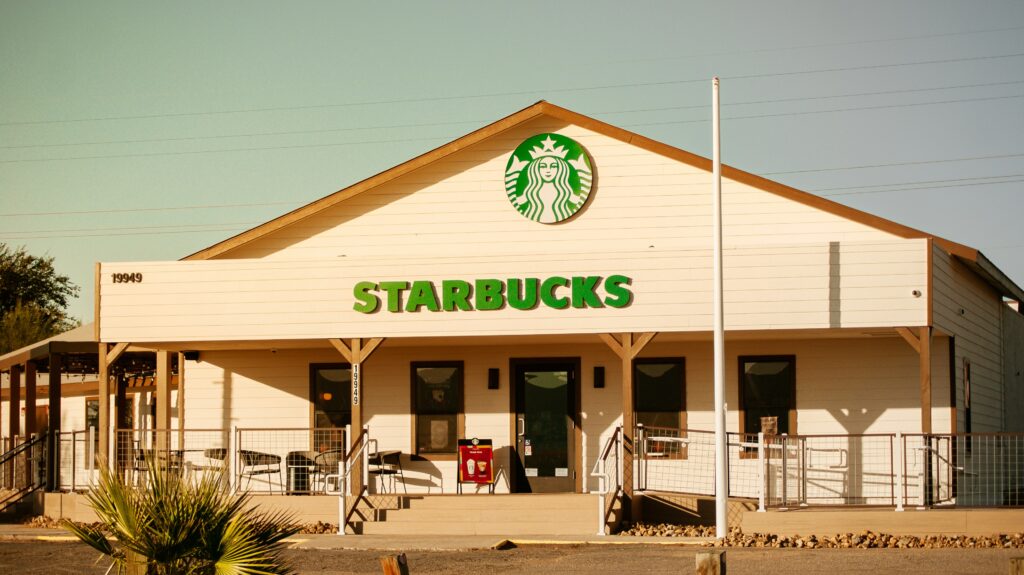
<point>476,461</point>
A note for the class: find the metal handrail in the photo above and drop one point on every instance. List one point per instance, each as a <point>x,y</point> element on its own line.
<point>345,466</point>
<point>600,471</point>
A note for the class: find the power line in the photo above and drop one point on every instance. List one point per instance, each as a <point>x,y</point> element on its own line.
<point>253,149</point>
<point>894,164</point>
<point>163,209</point>
<point>403,140</point>
<point>925,188</point>
<point>916,182</point>
<point>514,93</point>
<point>181,227</point>
<point>833,110</point>
<point>434,124</point>
<point>104,235</point>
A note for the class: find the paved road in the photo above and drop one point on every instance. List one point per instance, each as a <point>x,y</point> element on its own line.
<point>62,558</point>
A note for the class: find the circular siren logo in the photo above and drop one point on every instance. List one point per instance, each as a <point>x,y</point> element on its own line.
<point>548,178</point>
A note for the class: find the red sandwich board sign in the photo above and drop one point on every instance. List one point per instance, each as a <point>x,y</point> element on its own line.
<point>476,462</point>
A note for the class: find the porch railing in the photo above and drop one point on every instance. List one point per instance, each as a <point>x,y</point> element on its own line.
<point>78,465</point>
<point>892,470</point>
<point>22,469</point>
<point>356,461</point>
<point>608,471</point>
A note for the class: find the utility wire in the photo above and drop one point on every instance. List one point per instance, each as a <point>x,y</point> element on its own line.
<point>449,137</point>
<point>515,93</point>
<point>434,124</point>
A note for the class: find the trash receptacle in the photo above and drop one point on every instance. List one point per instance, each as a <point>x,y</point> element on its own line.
<point>299,465</point>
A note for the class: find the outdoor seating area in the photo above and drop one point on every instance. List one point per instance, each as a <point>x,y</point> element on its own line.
<point>292,461</point>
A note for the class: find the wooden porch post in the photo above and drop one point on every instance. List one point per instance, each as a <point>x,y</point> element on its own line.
<point>181,400</point>
<point>925,368</point>
<point>105,360</point>
<point>31,425</point>
<point>163,399</point>
<point>628,346</point>
<point>14,423</point>
<point>356,353</point>
<point>53,445</point>
<point>922,344</point>
<point>103,384</point>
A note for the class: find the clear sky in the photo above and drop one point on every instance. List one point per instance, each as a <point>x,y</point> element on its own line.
<point>149,130</point>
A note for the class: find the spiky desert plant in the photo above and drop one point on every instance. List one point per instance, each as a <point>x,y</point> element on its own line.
<point>174,525</point>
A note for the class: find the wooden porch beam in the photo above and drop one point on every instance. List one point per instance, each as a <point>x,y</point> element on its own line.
<point>641,342</point>
<point>909,336</point>
<point>116,352</point>
<point>613,343</point>
<point>342,348</point>
<point>371,345</point>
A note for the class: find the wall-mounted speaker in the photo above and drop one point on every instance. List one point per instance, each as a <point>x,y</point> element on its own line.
<point>191,355</point>
<point>599,376</point>
<point>493,377</point>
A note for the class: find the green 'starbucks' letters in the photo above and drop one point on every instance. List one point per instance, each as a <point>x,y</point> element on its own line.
<point>490,294</point>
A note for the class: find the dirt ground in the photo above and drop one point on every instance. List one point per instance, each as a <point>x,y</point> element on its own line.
<point>34,557</point>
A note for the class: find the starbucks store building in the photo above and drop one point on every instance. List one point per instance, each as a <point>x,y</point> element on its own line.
<point>545,284</point>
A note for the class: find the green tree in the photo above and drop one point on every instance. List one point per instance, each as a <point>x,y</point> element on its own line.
<point>173,524</point>
<point>33,298</point>
<point>23,325</point>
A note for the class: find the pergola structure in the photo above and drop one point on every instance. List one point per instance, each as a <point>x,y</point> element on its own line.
<point>76,352</point>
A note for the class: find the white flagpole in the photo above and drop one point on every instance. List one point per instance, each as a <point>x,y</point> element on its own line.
<point>721,445</point>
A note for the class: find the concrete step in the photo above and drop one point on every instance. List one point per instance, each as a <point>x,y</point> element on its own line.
<point>503,514</point>
<point>503,528</point>
<point>566,501</point>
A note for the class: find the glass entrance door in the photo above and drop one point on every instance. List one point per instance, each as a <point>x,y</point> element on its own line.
<point>545,398</point>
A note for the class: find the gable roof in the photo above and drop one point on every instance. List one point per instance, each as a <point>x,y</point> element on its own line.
<point>975,259</point>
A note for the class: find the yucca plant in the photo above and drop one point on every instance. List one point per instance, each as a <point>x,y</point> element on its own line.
<point>173,525</point>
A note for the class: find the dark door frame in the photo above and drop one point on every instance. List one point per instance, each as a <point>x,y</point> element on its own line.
<point>514,364</point>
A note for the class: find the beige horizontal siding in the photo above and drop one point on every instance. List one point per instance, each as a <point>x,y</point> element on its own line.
<point>458,206</point>
<point>978,337</point>
<point>798,286</point>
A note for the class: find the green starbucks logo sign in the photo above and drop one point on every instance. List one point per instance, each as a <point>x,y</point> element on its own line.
<point>548,178</point>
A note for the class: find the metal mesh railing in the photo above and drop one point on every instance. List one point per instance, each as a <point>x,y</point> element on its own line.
<point>292,461</point>
<point>190,451</point>
<point>856,469</point>
<point>78,466</point>
<point>675,460</point>
<point>967,470</point>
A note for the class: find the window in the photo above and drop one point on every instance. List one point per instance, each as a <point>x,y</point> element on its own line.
<point>92,420</point>
<point>331,389</point>
<point>659,392</point>
<point>768,389</point>
<point>437,406</point>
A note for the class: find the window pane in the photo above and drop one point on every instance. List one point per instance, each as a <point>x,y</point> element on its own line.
<point>767,391</point>
<point>92,413</point>
<point>436,433</point>
<point>332,387</point>
<point>437,390</point>
<point>438,398</point>
<point>660,387</point>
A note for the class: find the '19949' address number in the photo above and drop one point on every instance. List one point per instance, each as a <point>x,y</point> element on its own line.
<point>133,278</point>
